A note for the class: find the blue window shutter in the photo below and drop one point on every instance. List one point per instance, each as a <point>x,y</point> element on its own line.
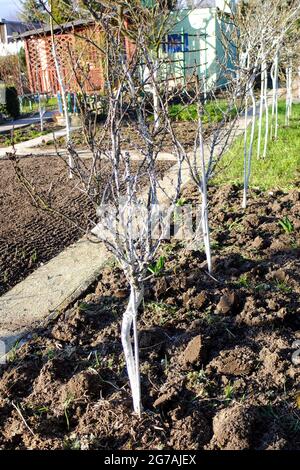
<point>186,42</point>
<point>174,43</point>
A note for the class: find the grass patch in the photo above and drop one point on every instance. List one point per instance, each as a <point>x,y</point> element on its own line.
<point>21,135</point>
<point>280,169</point>
<point>213,112</point>
<point>27,108</point>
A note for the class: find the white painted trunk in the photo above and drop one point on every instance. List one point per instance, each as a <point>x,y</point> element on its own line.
<point>41,113</point>
<point>63,97</point>
<point>289,95</point>
<point>267,111</point>
<point>204,202</point>
<point>156,103</point>
<point>250,151</point>
<point>275,76</point>
<point>129,324</point>
<point>205,88</point>
<point>261,110</point>
<point>245,152</point>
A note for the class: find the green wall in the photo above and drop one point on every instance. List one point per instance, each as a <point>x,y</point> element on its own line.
<point>205,49</point>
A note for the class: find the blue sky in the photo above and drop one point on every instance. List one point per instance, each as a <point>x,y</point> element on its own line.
<point>9,9</point>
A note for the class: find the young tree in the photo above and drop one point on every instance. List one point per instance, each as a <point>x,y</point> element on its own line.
<point>260,41</point>
<point>130,222</point>
<point>132,217</point>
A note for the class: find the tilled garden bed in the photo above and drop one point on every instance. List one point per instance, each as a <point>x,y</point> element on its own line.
<point>30,236</point>
<point>216,352</point>
<point>130,138</point>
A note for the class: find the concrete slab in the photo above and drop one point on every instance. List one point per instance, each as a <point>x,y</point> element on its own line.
<point>24,122</point>
<point>50,289</point>
<point>26,147</point>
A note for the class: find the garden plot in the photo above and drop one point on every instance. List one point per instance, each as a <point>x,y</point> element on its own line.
<point>28,236</point>
<point>130,138</point>
<point>183,116</point>
<point>216,354</point>
<point>27,133</point>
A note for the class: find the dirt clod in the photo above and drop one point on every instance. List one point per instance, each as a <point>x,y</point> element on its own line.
<point>227,302</point>
<point>232,428</point>
<point>238,361</point>
<point>193,352</point>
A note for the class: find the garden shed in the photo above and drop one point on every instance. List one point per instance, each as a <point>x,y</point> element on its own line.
<point>195,41</point>
<point>74,52</point>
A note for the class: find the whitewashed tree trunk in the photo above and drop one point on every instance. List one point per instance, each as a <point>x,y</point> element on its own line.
<point>248,159</point>
<point>63,96</point>
<point>155,93</point>
<point>129,324</point>
<point>266,111</point>
<point>275,76</point>
<point>261,109</point>
<point>245,149</point>
<point>204,202</point>
<point>289,94</point>
<point>205,87</point>
<point>42,111</point>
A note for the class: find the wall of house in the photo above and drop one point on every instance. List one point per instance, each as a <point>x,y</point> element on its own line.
<point>225,52</point>
<point>8,44</point>
<point>200,33</point>
<point>9,49</point>
<point>196,29</point>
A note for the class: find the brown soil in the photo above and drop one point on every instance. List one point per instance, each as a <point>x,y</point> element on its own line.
<point>30,236</point>
<point>185,132</point>
<point>216,355</point>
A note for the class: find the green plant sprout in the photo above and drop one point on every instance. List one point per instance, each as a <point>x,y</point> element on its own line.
<point>69,400</point>
<point>157,268</point>
<point>286,225</point>
<point>181,202</point>
<point>228,392</point>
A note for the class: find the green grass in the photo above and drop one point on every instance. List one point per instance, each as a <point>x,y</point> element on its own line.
<point>213,112</point>
<point>50,104</point>
<point>21,135</point>
<point>280,169</point>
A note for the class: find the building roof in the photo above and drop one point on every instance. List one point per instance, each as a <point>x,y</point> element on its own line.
<point>18,23</point>
<point>40,31</point>
<point>45,29</point>
<point>16,28</point>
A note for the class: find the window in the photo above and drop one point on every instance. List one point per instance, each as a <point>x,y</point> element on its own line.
<point>177,43</point>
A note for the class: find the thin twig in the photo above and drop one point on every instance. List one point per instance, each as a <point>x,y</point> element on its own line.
<point>22,418</point>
